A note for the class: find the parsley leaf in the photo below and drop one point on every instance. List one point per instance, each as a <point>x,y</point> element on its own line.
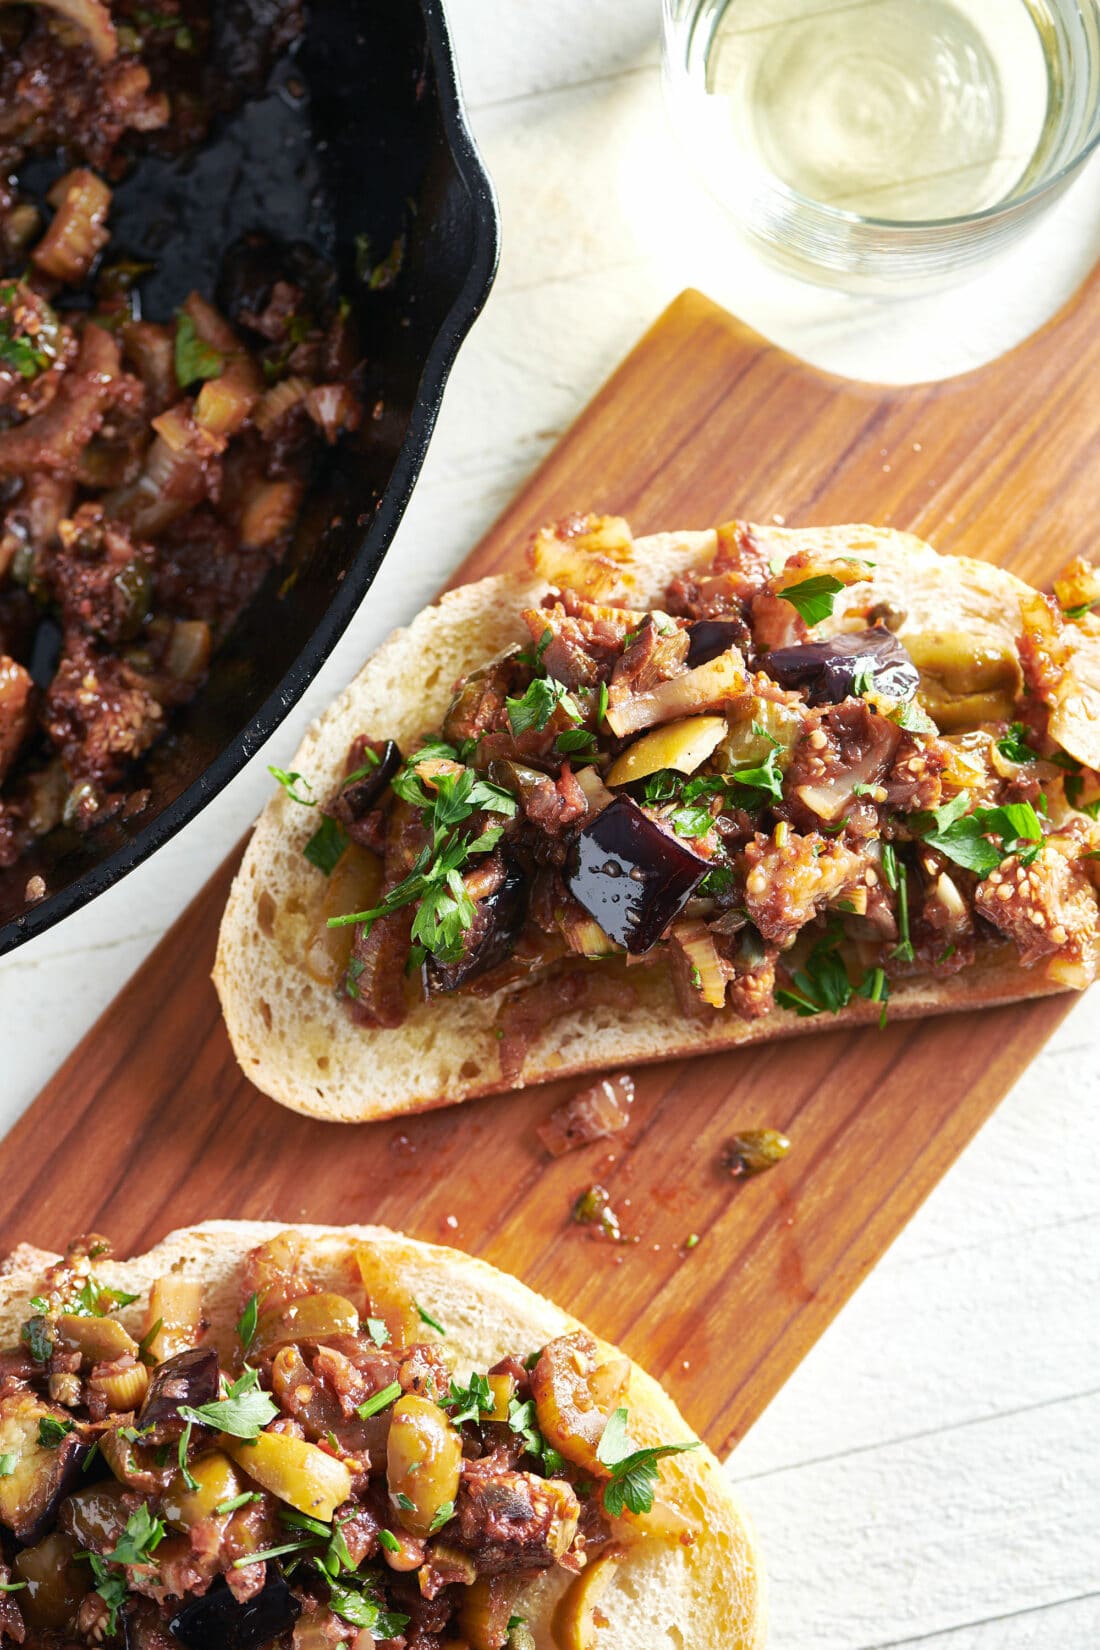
<point>243,1412</point>
<point>815,597</point>
<point>522,1420</point>
<point>1013,745</point>
<point>140,1539</point>
<point>634,1472</point>
<point>289,781</point>
<point>823,985</point>
<point>51,1431</point>
<point>325,847</point>
<point>965,837</point>
<point>246,1323</point>
<point>575,740</point>
<point>194,358</point>
<point>913,717</point>
<point>378,1331</point>
<point>469,1403</point>
<point>7,1465</point>
<point>111,1587</point>
<point>538,704</point>
<point>766,777</point>
<point>443,1512</point>
<point>37,1337</point>
<point>362,1610</point>
<point>691,822</point>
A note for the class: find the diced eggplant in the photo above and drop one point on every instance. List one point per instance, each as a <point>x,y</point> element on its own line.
<point>632,876</point>
<point>363,794</point>
<point>191,1377</point>
<point>42,1473</point>
<point>829,669</point>
<point>707,638</point>
<point>496,928</point>
<point>217,1621</point>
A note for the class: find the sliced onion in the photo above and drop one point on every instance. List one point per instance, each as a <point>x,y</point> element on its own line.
<point>593,1114</point>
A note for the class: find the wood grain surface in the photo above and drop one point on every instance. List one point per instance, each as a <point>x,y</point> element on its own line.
<point>149,1124</point>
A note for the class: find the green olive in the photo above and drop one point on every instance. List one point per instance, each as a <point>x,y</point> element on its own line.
<point>575,1396</point>
<point>216,1481</point>
<point>309,1318</point>
<point>98,1340</point>
<point>424,1458</point>
<point>94,1516</point>
<point>485,1609</point>
<point>300,1474</point>
<point>682,745</point>
<point>964,663</point>
<point>55,1583</point>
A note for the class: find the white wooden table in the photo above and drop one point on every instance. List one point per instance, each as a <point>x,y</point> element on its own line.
<point>931,1475</point>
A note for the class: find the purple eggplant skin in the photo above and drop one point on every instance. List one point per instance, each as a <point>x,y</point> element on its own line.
<point>492,938</point>
<point>360,797</point>
<point>707,638</point>
<point>828,668</point>
<point>66,1474</point>
<point>218,1622</point>
<point>189,1377</point>
<point>631,876</point>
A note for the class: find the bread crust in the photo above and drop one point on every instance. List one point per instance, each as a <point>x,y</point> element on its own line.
<point>666,1595</point>
<point>292,1037</point>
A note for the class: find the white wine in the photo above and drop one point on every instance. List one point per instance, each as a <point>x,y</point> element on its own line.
<point>896,110</point>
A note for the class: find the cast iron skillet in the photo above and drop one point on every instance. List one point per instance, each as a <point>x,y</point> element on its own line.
<point>360,133</point>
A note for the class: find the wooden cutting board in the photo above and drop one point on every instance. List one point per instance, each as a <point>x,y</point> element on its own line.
<point>149,1124</point>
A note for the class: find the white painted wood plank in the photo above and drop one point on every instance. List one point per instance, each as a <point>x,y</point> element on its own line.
<point>1074,1625</point>
<point>919,1537</point>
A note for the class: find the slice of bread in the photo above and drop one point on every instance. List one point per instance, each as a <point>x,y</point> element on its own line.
<point>293,1037</point>
<point>665,1595</point>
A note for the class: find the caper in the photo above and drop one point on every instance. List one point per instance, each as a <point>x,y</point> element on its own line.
<point>754,1151</point>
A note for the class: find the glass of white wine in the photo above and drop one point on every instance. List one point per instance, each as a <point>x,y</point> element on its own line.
<point>885,145</point>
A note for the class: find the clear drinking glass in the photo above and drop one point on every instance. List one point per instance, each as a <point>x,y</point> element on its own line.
<point>884,145</point>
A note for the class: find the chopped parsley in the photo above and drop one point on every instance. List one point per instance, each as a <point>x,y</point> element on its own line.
<point>247,1322</point>
<point>523,1422</point>
<point>361,1609</point>
<point>289,782</point>
<point>766,777</point>
<point>378,1331</point>
<point>965,837</point>
<point>243,1412</point>
<point>140,1539</point>
<point>111,1587</point>
<point>379,1400</point>
<point>7,1465</point>
<point>815,597</point>
<point>389,1541</point>
<point>691,822</point>
<point>51,1431</point>
<point>634,1472</point>
<point>575,741</point>
<point>822,986</point>
<point>543,697</point>
<point>1013,745</point>
<point>37,1337</point>
<point>194,357</point>
<point>24,355</point>
<point>445,910</point>
<point>445,1511</point>
<point>426,1317</point>
<point>326,846</point>
<point>913,717</point>
<point>469,1403</point>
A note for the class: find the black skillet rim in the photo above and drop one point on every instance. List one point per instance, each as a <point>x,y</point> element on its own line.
<point>377,540</point>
